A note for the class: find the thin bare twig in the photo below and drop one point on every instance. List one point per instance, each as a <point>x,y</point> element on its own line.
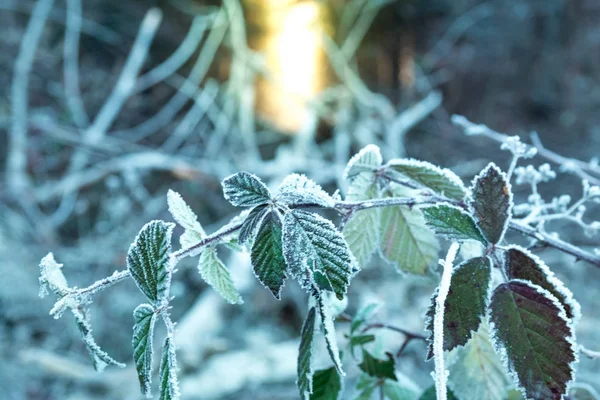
<point>16,162</point>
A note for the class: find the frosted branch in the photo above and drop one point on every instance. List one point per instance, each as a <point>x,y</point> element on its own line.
<point>441,375</point>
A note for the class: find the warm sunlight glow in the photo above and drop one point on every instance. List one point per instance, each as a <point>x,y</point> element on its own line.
<point>294,58</point>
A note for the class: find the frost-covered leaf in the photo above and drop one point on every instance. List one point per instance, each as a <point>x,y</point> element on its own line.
<point>452,223</point>
<point>378,368</point>
<point>216,274</point>
<point>189,238</point>
<point>310,244</point>
<point>327,384</point>
<point>305,355</point>
<point>100,358</point>
<point>297,189</point>
<point>51,277</point>
<point>361,231</point>
<point>330,336</point>
<point>476,370</point>
<point>522,264</point>
<point>169,383</point>
<point>531,329</point>
<point>267,254</point>
<point>143,334</point>
<point>366,160</point>
<point>245,190</point>
<point>401,389</point>
<point>492,202</point>
<point>252,222</point>
<point>430,394</point>
<point>405,239</point>
<point>148,260</point>
<point>465,305</point>
<point>182,213</point>
<point>440,180</point>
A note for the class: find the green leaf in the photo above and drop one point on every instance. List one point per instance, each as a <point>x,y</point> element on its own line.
<point>169,384</point>
<point>148,260</point>
<point>378,368</point>
<point>465,305</point>
<point>452,223</point>
<point>361,231</point>
<point>491,203</point>
<point>405,239</point>
<point>366,160</point>
<point>327,384</point>
<point>252,222</point>
<point>362,315</point>
<point>267,254</point>
<point>305,355</point>
<point>297,189</point>
<point>359,340</point>
<point>531,327</point>
<point>143,334</point>
<point>216,274</point>
<point>522,264</point>
<point>182,213</point>
<point>403,389</point>
<point>100,358</point>
<point>311,243</point>
<point>329,333</point>
<point>476,370</point>
<point>440,180</point>
<point>430,394</point>
<point>365,386</point>
<point>245,190</point>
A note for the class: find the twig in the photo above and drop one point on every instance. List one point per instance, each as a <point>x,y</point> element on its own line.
<point>383,325</point>
<point>71,65</point>
<point>185,50</point>
<point>589,353</point>
<point>577,167</point>
<point>16,162</point>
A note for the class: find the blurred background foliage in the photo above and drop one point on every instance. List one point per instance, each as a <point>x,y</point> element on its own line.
<point>271,87</point>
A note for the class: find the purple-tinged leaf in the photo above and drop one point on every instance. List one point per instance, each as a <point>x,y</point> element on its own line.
<point>531,330</point>
<point>492,203</point>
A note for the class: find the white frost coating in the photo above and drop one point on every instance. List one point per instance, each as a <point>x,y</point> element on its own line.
<point>182,213</point>
<point>168,367</point>
<point>511,203</point>
<point>99,357</point>
<point>217,275</point>
<point>329,333</point>
<point>245,190</point>
<point>557,283</point>
<point>445,172</point>
<point>367,159</point>
<point>441,374</point>
<point>571,339</point>
<point>298,189</point>
<point>51,277</point>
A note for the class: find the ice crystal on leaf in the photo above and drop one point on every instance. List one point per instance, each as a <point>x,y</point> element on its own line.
<point>366,160</point>
<point>537,339</point>
<point>169,384</point>
<point>492,203</point>
<point>452,222</point>
<point>216,274</point>
<point>143,334</point>
<point>51,277</point>
<point>266,256</point>
<point>305,355</point>
<point>329,333</point>
<point>297,189</point>
<point>440,180</point>
<point>148,260</point>
<point>245,190</point>
<point>312,245</point>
